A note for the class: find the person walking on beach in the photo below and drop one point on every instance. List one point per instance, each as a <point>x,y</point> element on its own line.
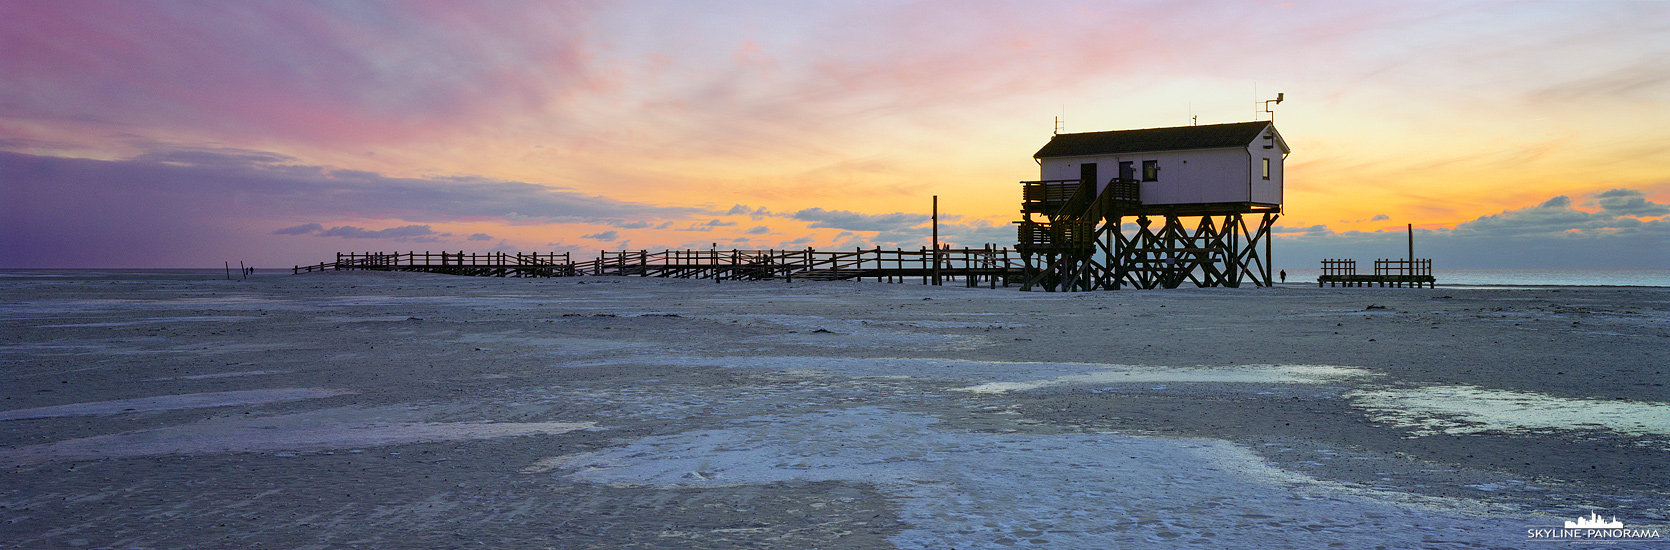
<point>1284,276</point>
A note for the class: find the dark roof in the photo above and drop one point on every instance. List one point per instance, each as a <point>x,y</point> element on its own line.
<point>1211,136</point>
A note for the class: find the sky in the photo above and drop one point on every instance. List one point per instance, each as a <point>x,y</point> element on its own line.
<point>143,133</point>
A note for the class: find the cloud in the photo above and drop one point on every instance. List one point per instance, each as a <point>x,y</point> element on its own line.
<point>321,72</point>
<point>755,213</point>
<point>853,221</point>
<point>201,183</point>
<point>1285,230</point>
<point>977,233</point>
<point>195,207</point>
<point>403,233</point>
<point>610,235</point>
<point>1648,78</point>
<point>480,237</point>
<point>758,230</point>
<point>1379,218</point>
<point>212,156</point>
<point>302,229</point>
<point>1556,216</point>
<point>1629,202</point>
<point>1550,234</point>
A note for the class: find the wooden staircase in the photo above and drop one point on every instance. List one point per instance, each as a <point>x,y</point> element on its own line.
<point>1060,250</point>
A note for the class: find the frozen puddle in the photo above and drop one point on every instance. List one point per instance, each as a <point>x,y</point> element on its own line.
<point>974,490</point>
<point>173,402</point>
<point>311,431</point>
<point>1471,409</point>
<point>1243,374</point>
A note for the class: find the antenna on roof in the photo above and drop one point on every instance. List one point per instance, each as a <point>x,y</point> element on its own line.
<point>1059,125</point>
<point>1267,103</point>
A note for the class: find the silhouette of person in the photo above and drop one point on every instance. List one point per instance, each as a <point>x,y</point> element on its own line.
<point>1284,275</point>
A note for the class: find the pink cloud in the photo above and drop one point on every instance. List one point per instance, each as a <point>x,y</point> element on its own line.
<point>323,72</point>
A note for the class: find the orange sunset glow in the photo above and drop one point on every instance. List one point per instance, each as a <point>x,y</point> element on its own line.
<point>183,134</point>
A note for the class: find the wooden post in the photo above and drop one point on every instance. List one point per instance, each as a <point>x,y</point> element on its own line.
<point>936,240</point>
<point>1411,249</point>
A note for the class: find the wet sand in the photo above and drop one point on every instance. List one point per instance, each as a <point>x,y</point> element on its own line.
<point>339,410</point>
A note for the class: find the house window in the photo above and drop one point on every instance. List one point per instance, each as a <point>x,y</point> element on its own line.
<point>1150,170</point>
<point>1266,169</point>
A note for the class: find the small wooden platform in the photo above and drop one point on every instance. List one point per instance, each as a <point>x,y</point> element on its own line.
<point>1394,273</point>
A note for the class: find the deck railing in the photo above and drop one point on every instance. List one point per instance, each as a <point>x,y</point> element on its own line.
<point>1398,273</point>
<point>1403,268</point>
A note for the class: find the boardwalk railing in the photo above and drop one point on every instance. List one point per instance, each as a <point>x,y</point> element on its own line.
<point>492,264</point>
<point>989,264</point>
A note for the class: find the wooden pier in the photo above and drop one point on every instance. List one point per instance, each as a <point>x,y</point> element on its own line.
<point>1396,273</point>
<point>989,265</point>
<point>491,264</point>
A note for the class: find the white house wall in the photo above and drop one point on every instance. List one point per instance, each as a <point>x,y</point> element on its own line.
<point>1266,192</point>
<point>1187,177</point>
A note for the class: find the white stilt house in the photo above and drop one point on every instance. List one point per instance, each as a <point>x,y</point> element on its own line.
<point>1223,164</point>
<point>1089,182</point>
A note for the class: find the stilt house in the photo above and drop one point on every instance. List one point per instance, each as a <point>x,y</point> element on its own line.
<point>1223,164</point>
<point>1090,182</point>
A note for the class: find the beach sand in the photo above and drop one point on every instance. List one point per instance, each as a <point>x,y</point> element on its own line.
<point>336,410</point>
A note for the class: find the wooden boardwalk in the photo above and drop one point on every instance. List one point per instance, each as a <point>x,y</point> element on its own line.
<point>492,264</point>
<point>1397,273</point>
<point>972,266</point>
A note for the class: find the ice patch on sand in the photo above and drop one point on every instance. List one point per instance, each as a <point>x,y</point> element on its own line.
<point>220,375</point>
<point>1003,376</point>
<point>173,402</point>
<point>1471,409</point>
<point>979,490</point>
<point>310,431</point>
<point>1243,374</point>
<point>954,369</point>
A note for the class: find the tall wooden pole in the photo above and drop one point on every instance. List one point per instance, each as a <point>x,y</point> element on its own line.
<point>1411,243</point>
<point>936,240</point>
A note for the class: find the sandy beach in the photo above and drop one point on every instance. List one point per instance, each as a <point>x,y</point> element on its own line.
<point>401,410</point>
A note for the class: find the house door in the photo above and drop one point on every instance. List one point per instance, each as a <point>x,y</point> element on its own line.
<point>1087,174</point>
<point>1127,170</point>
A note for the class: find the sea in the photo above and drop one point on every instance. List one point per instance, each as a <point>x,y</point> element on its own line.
<point>1446,277</point>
